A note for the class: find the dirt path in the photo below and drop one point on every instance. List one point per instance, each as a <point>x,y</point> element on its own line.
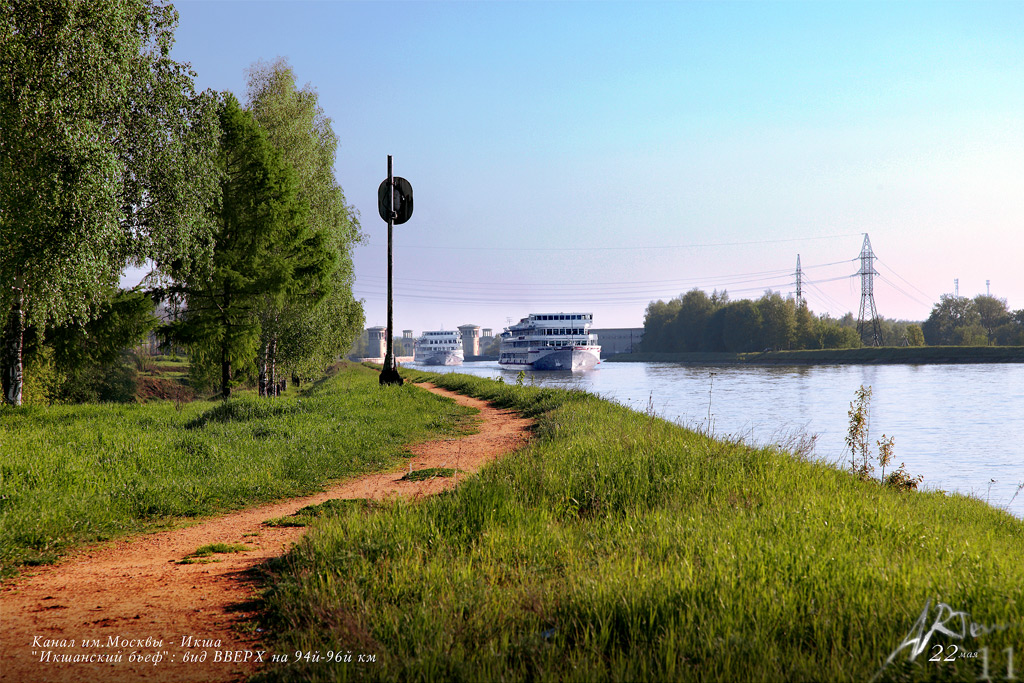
<point>131,600</point>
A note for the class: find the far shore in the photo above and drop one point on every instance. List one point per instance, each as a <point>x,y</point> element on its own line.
<point>908,355</point>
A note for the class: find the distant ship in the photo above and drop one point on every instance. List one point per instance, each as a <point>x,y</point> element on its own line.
<point>439,347</point>
<point>550,341</point>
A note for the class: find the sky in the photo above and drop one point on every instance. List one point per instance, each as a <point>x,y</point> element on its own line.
<point>595,156</point>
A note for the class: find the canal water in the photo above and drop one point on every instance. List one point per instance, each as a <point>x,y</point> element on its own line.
<point>960,426</point>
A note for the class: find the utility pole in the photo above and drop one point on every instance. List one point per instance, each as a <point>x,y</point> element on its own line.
<point>956,287</point>
<point>394,203</point>
<point>867,296</point>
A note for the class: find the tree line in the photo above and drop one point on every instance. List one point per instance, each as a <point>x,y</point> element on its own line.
<point>982,321</point>
<point>109,157</point>
<point>696,321</point>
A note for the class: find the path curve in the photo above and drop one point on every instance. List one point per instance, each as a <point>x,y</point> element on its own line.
<point>125,592</point>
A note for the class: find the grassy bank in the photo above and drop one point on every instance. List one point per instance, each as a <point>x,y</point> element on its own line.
<point>911,355</point>
<point>618,546</point>
<point>76,474</point>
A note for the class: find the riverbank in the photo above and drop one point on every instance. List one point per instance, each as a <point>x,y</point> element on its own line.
<point>619,546</point>
<point>909,355</point>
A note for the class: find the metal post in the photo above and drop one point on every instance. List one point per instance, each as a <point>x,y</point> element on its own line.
<point>389,374</point>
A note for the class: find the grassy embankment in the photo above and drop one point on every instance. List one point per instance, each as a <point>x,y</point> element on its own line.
<point>76,474</point>
<point>618,546</point>
<point>912,355</point>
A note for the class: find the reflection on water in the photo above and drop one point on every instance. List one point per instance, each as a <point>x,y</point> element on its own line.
<point>961,426</point>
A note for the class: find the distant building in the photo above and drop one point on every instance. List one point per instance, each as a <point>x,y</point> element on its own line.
<point>470,339</point>
<point>615,340</point>
<point>376,346</point>
<point>486,339</point>
<point>406,334</point>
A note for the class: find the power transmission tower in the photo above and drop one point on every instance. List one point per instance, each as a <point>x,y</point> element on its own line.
<point>799,283</point>
<point>867,295</point>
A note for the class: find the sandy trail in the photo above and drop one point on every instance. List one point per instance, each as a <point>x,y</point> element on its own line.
<point>131,599</point>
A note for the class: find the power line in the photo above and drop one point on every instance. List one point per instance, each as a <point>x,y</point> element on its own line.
<point>831,304</point>
<point>617,248</point>
<point>902,291</point>
<point>712,280</point>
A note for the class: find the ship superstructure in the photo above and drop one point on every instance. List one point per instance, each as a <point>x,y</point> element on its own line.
<point>550,341</point>
<point>439,347</point>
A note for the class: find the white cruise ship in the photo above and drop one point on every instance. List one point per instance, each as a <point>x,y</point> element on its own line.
<point>550,341</point>
<point>439,347</point>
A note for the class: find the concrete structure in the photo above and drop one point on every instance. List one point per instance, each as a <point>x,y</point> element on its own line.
<point>470,340</point>
<point>486,339</point>
<point>376,346</point>
<point>615,340</point>
<point>407,334</point>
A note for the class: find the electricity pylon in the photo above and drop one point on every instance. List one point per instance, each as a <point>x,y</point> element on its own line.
<point>799,283</point>
<point>867,295</point>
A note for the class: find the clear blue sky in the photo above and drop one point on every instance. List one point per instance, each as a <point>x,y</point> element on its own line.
<point>595,156</point>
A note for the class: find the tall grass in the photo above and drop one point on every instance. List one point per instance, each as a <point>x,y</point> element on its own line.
<point>74,474</point>
<point>618,546</point>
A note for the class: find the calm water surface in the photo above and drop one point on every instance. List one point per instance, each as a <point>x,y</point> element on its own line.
<point>961,426</point>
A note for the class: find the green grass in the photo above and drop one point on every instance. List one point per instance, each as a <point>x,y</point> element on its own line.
<point>914,355</point>
<point>205,553</point>
<point>618,546</point>
<point>328,508</point>
<point>430,473</point>
<point>77,474</point>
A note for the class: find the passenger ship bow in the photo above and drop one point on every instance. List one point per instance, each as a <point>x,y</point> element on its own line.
<point>550,341</point>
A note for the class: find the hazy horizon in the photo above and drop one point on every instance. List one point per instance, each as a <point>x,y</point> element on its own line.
<point>598,156</point>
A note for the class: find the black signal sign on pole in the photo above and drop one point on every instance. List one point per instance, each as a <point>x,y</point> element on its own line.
<point>394,202</point>
<point>398,206</point>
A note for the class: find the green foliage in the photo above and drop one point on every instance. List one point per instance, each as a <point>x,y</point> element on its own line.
<point>696,322</point>
<point>105,151</point>
<point>858,439</point>
<point>263,250</point>
<point>318,320</point>
<point>430,473</point>
<point>617,546</point>
<point>858,433</point>
<point>43,379</point>
<point>113,382</point>
<point>914,335</point>
<point>657,325</point>
<point>980,321</point>
<point>742,325</point>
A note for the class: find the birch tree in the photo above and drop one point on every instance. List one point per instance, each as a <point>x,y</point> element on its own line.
<point>105,158</point>
<point>315,324</point>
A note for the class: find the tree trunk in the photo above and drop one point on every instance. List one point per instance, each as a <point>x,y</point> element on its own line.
<point>225,356</point>
<point>272,369</point>
<point>13,336</point>
<point>264,352</point>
